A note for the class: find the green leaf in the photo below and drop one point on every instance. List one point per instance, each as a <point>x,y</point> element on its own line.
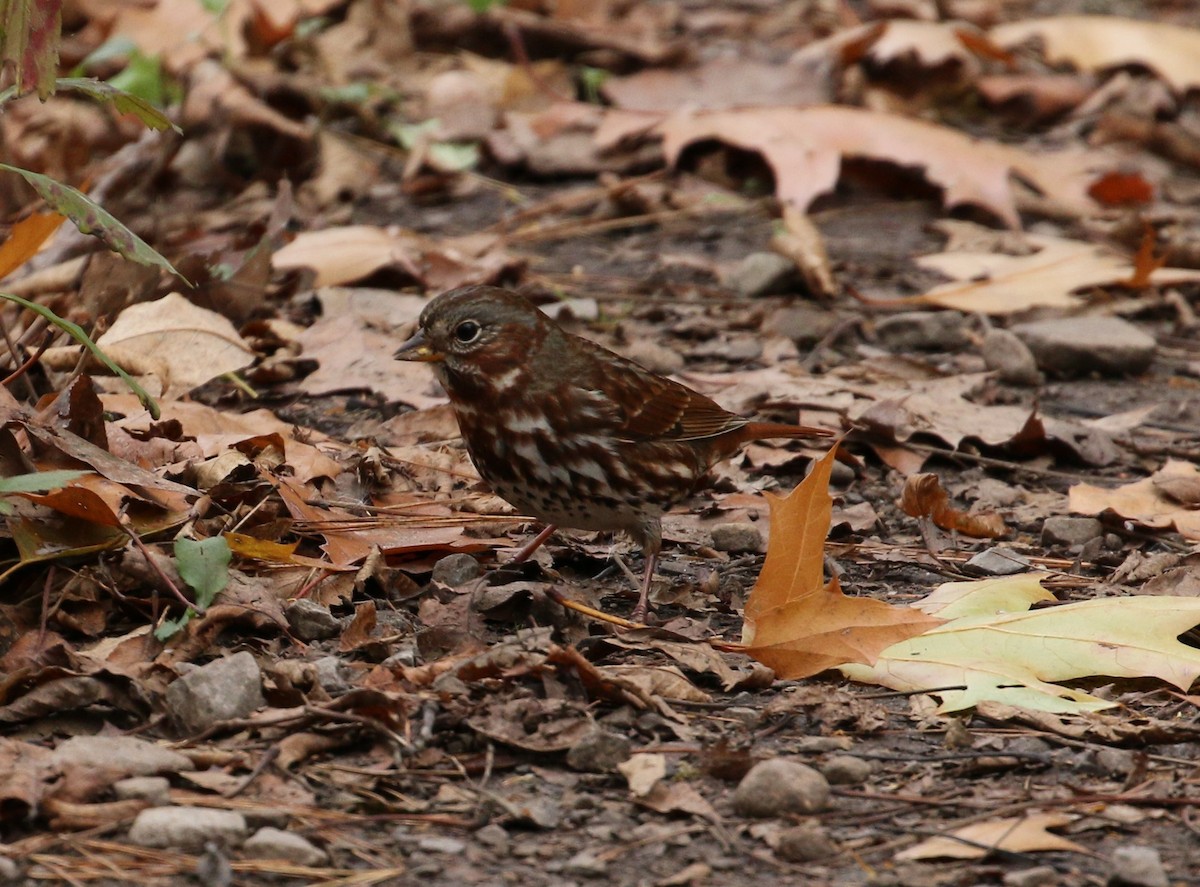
<point>75,331</point>
<point>38,481</point>
<point>30,35</point>
<point>168,628</point>
<point>90,218</point>
<point>204,565</point>
<point>125,102</point>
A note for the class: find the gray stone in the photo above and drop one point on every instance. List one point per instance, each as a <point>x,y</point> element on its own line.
<point>9,871</point>
<point>274,843</point>
<point>737,537</point>
<point>599,751</point>
<point>732,349</point>
<point>1114,761</point>
<point>653,356</point>
<point>332,673</point>
<point>778,787</point>
<point>1070,530</point>
<point>586,863</point>
<point>805,843</point>
<point>310,621</point>
<point>760,274</point>
<point>922,331</point>
<point>456,569</point>
<point>222,690</point>
<point>846,770</point>
<point>187,828</point>
<point>804,324</point>
<point>213,868</point>
<point>1009,358</point>
<point>1136,866</point>
<point>155,790</point>
<point>441,844</point>
<point>1080,346</point>
<point>495,838</point>
<point>997,561</point>
<point>1038,876</point>
<point>120,756</point>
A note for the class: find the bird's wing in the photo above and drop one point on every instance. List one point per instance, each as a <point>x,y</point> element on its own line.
<point>644,406</point>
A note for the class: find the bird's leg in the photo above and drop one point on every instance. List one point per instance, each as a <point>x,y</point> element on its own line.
<point>639,612</point>
<point>532,545</point>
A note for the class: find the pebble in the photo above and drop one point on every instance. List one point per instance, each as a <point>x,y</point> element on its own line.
<point>922,331</point>
<point>332,673</point>
<point>760,274</point>
<point>804,324</point>
<point>456,569</point>
<point>737,537</point>
<point>732,349</point>
<point>309,621</point>
<point>778,787</point>
<point>1009,358</point>
<point>495,838</point>
<point>187,828</point>
<point>998,561</point>
<point>1136,866</point>
<point>1038,876</point>
<point>1070,531</point>
<point>155,790</point>
<point>805,843</point>
<point>274,843</point>
<point>1080,346</point>
<point>1114,761</point>
<point>8,870</point>
<point>223,690</point>
<point>442,844</point>
<point>586,863</point>
<point>846,770</point>
<point>213,868</point>
<point>599,751</point>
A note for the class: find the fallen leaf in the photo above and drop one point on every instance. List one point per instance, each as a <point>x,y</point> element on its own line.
<point>797,624</point>
<point>1159,501</point>
<point>805,148</point>
<point>1096,42</point>
<point>1023,834</point>
<point>924,496</point>
<point>998,649</point>
<point>643,772</point>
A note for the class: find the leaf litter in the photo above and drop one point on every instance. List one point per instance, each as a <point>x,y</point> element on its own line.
<point>403,714</point>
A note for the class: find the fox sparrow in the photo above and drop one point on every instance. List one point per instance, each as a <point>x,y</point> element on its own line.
<point>567,431</point>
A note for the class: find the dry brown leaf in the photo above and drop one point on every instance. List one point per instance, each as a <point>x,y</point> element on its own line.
<point>1162,500</point>
<point>997,283</point>
<point>805,148</point>
<point>797,624</point>
<point>183,345</point>
<point>801,241</point>
<point>25,238</point>
<point>924,496</point>
<point>1096,42</point>
<point>1016,835</point>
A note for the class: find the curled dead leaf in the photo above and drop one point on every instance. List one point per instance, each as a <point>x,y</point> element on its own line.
<point>924,496</point>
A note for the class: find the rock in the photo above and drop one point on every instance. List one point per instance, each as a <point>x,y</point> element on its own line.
<point>1080,346</point>
<point>155,790</point>
<point>731,349</point>
<point>495,838</point>
<point>760,274</point>
<point>1114,761</point>
<point>213,868</point>
<point>1038,876</point>
<point>187,828</point>
<point>1009,358</point>
<point>1137,866</point>
<point>456,569</point>
<point>120,756</point>
<point>737,537</point>
<point>1070,531</point>
<point>8,870</point>
<point>599,751</point>
<point>274,843</point>
<point>778,787</point>
<point>222,690</point>
<point>332,674</point>
<point>805,843</point>
<point>441,844</point>
<point>653,356</point>
<point>846,770</point>
<point>309,621</point>
<point>922,331</point>
<point>804,324</point>
<point>997,561</point>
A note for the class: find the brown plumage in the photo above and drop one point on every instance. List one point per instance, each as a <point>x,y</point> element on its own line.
<point>567,431</point>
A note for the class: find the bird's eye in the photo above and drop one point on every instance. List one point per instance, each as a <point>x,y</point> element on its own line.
<point>467,331</point>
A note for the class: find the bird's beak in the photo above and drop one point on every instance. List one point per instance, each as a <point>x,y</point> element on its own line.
<point>418,349</point>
